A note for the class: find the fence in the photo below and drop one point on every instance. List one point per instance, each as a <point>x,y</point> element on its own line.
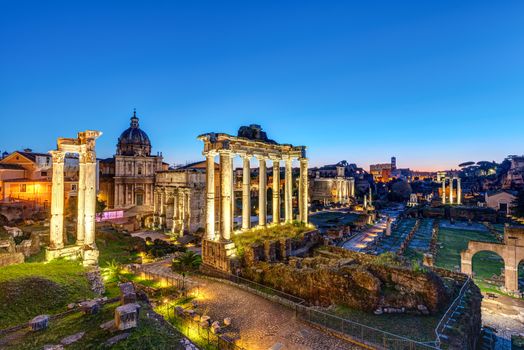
<point>449,312</point>
<point>193,328</point>
<point>359,333</point>
<point>168,278</point>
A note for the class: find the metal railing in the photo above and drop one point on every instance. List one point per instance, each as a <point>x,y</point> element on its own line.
<point>451,309</point>
<point>198,332</point>
<point>360,334</point>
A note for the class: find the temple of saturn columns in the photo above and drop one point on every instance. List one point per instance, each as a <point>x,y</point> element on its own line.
<point>85,246</point>
<point>452,200</point>
<point>217,247</point>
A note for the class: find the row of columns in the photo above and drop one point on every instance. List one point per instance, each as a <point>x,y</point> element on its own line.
<point>459,190</point>
<point>86,200</point>
<point>345,189</point>
<point>226,192</point>
<point>125,194</point>
<point>181,216</point>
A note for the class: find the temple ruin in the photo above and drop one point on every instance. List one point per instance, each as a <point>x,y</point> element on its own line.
<point>511,251</point>
<point>85,246</point>
<point>217,247</point>
<point>450,180</point>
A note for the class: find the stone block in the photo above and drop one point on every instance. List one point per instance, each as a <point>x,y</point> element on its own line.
<point>127,293</point>
<point>215,327</point>
<point>72,338</point>
<point>126,316</point>
<point>39,322</point>
<point>90,307</point>
<point>11,259</point>
<point>112,341</point>
<point>227,321</point>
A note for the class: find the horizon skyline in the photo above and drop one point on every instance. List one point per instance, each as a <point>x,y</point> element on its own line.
<point>176,161</point>
<point>433,83</point>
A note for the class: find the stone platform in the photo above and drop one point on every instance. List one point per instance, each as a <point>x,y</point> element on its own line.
<point>220,255</point>
<point>87,254</point>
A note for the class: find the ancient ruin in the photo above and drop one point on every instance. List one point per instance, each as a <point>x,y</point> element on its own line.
<point>459,190</point>
<point>217,247</point>
<point>511,251</point>
<point>85,247</point>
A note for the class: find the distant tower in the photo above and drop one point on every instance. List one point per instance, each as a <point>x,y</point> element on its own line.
<point>393,163</point>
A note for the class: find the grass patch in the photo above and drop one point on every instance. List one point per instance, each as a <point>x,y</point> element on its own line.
<point>259,235</point>
<point>148,335</point>
<point>22,297</point>
<point>415,327</point>
<point>115,246</point>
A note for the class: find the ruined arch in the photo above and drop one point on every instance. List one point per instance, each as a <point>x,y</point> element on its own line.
<point>511,251</point>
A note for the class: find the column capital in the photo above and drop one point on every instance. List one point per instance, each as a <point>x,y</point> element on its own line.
<point>58,156</point>
<point>226,152</point>
<point>210,153</point>
<point>303,159</point>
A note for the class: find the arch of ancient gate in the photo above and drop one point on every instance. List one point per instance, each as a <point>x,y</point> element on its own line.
<point>217,247</point>
<point>85,247</point>
<point>511,251</point>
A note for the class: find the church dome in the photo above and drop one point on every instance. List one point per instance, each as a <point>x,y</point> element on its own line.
<point>134,141</point>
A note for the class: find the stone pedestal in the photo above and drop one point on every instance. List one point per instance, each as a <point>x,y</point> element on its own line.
<point>218,254</point>
<point>126,316</point>
<point>90,256</point>
<point>39,322</point>
<point>73,252</point>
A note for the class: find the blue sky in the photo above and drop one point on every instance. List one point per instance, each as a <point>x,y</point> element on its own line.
<point>434,83</point>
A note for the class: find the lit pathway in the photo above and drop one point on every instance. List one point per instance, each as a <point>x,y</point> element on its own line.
<point>362,239</point>
<point>260,323</point>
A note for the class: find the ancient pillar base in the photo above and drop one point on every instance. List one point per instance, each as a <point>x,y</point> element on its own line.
<point>220,255</point>
<point>90,256</point>
<point>71,252</point>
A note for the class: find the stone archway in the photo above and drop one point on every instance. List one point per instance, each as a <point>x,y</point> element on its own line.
<point>511,251</point>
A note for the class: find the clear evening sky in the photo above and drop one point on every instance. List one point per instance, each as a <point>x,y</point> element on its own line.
<point>434,83</point>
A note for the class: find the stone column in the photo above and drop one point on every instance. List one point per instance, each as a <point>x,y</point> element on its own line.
<point>262,192</point>
<point>288,190</point>
<point>370,196</point>
<point>276,191</point>
<point>210,196</point>
<point>225,195</point>
<point>233,177</point>
<point>303,190</point>
<point>56,236</point>
<point>246,193</point>
<point>444,190</point>
<point>176,214</point>
<point>188,211</point>
<point>365,201</point>
<point>80,222</point>
<point>459,191</point>
<point>155,209</point>
<point>181,212</point>
<point>353,187</point>
<point>450,190</point>
<point>90,198</point>
<point>162,208</point>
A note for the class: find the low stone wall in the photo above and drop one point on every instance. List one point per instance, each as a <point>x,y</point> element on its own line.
<point>357,280</point>
<point>281,249</point>
<point>11,259</point>
<point>460,213</point>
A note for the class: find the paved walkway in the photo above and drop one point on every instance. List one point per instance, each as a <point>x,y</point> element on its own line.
<point>260,323</point>
<point>506,315</point>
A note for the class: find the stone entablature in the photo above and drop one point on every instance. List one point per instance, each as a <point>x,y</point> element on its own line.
<point>84,146</point>
<point>227,147</point>
<point>511,251</point>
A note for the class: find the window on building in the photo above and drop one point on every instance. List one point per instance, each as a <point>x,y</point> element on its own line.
<point>23,187</point>
<point>139,170</point>
<point>43,173</point>
<point>73,187</point>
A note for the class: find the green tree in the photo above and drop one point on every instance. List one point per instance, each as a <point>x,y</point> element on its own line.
<point>518,205</point>
<point>189,261</point>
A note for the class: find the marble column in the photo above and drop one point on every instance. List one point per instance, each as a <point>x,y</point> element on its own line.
<point>225,195</point>
<point>352,187</point>
<point>155,209</point>
<point>162,215</point>
<point>288,190</point>
<point>174,228</point>
<point>246,193</point>
<point>80,219</point>
<point>303,190</point>
<point>90,198</point>
<point>188,210</point>
<point>56,237</point>
<point>365,201</point>
<point>450,190</point>
<point>370,196</point>
<point>233,176</point>
<point>210,196</point>
<point>459,191</point>
<point>262,191</point>
<point>444,190</point>
<point>181,212</point>
<point>276,191</point>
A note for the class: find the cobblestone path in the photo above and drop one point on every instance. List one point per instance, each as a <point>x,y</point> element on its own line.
<point>260,323</point>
